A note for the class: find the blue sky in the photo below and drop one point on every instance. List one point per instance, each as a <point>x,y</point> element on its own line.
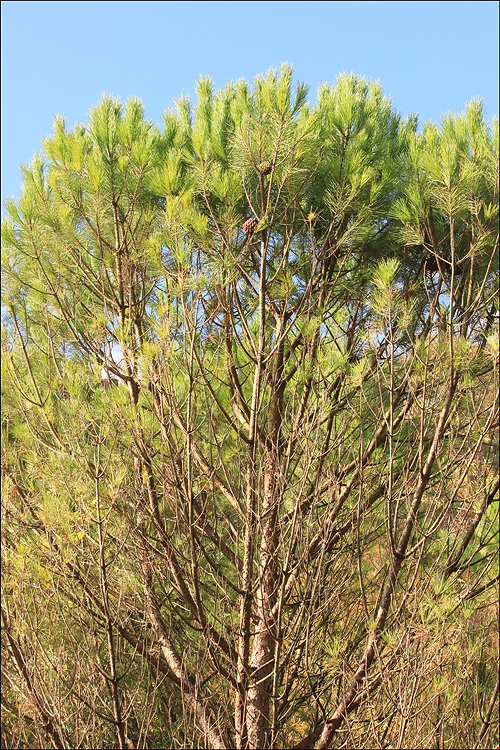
<point>60,57</point>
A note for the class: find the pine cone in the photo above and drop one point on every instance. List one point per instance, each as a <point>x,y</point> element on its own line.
<point>265,167</point>
<point>250,226</point>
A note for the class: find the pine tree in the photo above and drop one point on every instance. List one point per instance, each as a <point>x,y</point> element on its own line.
<point>249,416</point>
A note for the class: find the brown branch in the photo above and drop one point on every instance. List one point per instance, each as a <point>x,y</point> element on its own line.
<point>17,657</point>
<point>454,562</point>
<point>192,692</point>
<point>487,719</point>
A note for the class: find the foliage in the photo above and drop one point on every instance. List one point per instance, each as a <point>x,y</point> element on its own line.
<point>249,490</point>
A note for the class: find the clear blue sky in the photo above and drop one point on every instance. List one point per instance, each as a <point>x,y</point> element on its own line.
<point>60,57</point>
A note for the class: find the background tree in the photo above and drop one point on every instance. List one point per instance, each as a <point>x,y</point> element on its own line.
<point>250,412</point>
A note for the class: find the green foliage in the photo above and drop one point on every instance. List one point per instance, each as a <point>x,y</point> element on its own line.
<point>251,462</point>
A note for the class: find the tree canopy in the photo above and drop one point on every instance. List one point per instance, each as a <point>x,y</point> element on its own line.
<point>250,421</point>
